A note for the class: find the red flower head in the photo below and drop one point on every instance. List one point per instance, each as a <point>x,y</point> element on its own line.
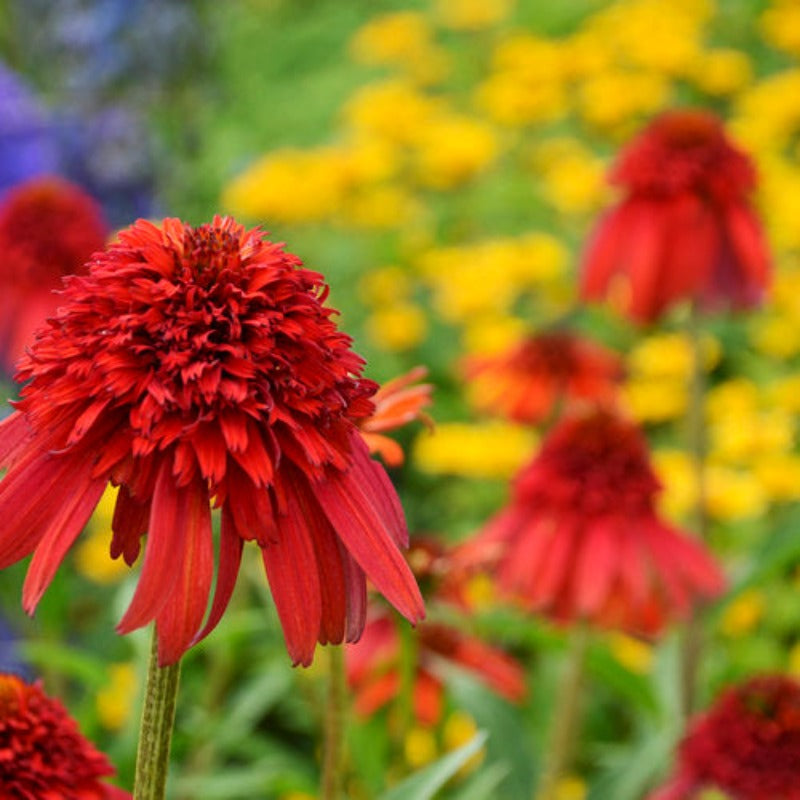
<point>48,229</point>
<point>685,228</point>
<point>529,382</point>
<point>43,754</point>
<point>581,539</point>
<point>374,670</point>
<point>193,364</point>
<point>398,402</point>
<point>747,745</point>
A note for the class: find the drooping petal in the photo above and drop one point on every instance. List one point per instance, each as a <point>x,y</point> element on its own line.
<point>356,584</point>
<point>170,514</point>
<point>128,525</point>
<point>182,616</point>
<point>370,540</point>
<point>292,571</point>
<point>596,567</point>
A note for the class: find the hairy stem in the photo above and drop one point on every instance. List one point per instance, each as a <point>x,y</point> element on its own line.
<point>333,747</point>
<point>155,731</point>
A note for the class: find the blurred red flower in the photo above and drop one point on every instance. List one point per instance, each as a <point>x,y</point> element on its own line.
<point>580,539</point>
<point>43,754</point>
<point>374,671</point>
<point>685,228</point>
<point>398,402</point>
<point>193,364</point>
<point>531,380</point>
<point>49,228</point>
<point>747,745</point>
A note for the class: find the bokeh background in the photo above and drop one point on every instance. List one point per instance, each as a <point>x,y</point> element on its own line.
<point>442,163</point>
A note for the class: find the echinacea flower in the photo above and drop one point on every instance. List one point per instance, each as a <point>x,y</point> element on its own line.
<point>374,667</point>
<point>580,539</point>
<point>43,755</point>
<point>532,379</point>
<point>49,229</point>
<point>747,745</point>
<point>398,402</point>
<point>685,228</point>
<point>191,365</point>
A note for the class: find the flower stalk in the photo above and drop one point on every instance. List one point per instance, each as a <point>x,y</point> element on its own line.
<point>155,731</point>
<point>565,724</point>
<point>333,750</point>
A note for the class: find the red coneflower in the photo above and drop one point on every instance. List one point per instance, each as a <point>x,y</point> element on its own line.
<point>747,745</point>
<point>193,364</point>
<point>398,402</point>
<point>528,382</point>
<point>43,754</point>
<point>685,228</point>
<point>49,228</point>
<point>580,538</point>
<point>374,670</point>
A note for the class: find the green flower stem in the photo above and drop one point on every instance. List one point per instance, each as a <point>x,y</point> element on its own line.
<point>697,444</point>
<point>333,748</point>
<point>155,731</point>
<point>565,723</point>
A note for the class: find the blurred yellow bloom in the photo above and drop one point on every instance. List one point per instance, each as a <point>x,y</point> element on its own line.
<point>740,437</point>
<point>393,109</point>
<point>767,114</point>
<point>776,335</point>
<point>402,40</point>
<point>780,193</point>
<point>784,393</point>
<point>669,355</point>
<point>794,660</point>
<point>452,149</point>
<point>743,614</point>
<point>633,654</point>
<point>487,450</point>
<point>615,98</point>
<point>721,72</point>
<point>676,473</point>
<point>574,178</point>
<point>381,206</point>
<point>420,747</point>
<point>471,15</point>
<point>398,327</point>
<point>779,475</point>
<point>655,399</point>
<point>738,397</point>
<point>480,591</point>
<point>460,728</point>
<point>734,494</point>
<point>93,557</point>
<point>492,333</point>
<point>780,25</point>
<point>385,285</point>
<point>115,701</point>
<point>571,787</point>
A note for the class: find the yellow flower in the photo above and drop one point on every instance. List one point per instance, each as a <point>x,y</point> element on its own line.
<point>734,494</point>
<point>738,397</point>
<point>452,149</point>
<point>740,437</point>
<point>780,25</point>
<point>491,333</point>
<point>767,114</point>
<point>380,206</point>
<point>669,355</point>
<point>385,285</point>
<point>611,99</point>
<point>655,399</point>
<point>676,473</point>
<point>460,728</point>
<point>571,787</point>
<point>420,747</point>
<point>779,475</point>
<point>471,15</point>
<point>115,701</point>
<point>785,394</point>
<point>794,660</point>
<point>402,40</point>
<point>398,327</point>
<point>487,450</point>
<point>633,654</point>
<point>92,557</point>
<point>742,614</point>
<point>776,335</point>
<point>721,72</point>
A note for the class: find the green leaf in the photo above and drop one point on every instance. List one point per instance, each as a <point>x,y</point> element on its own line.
<point>483,786</point>
<point>424,784</point>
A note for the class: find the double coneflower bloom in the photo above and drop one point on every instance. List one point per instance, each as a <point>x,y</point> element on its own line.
<point>43,754</point>
<point>199,365</point>
<point>747,745</point>
<point>49,228</point>
<point>684,228</point>
<point>581,540</point>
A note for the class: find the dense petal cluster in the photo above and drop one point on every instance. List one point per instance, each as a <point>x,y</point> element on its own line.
<point>530,381</point>
<point>43,755</point>
<point>685,228</point>
<point>747,745</point>
<point>199,364</point>
<point>49,228</point>
<point>580,538</point>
